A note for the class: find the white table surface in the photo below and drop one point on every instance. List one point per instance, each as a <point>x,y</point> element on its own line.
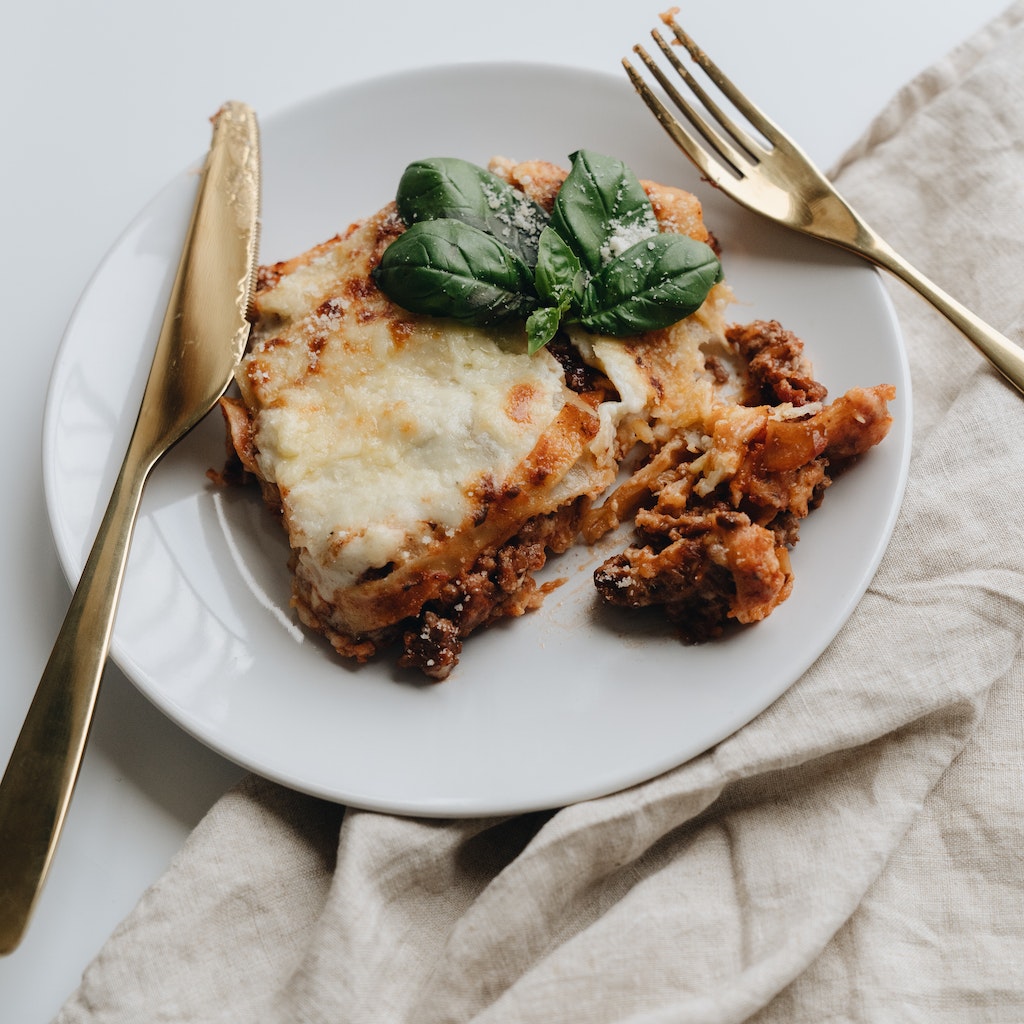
<point>104,102</point>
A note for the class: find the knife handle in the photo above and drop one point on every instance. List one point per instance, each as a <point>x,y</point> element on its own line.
<point>36,789</point>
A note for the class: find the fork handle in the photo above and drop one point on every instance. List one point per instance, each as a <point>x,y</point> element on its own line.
<point>36,789</point>
<point>1004,355</point>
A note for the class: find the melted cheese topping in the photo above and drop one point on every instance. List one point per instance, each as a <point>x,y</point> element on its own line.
<point>390,436</point>
<point>385,432</point>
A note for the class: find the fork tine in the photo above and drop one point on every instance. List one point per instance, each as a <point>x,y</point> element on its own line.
<point>751,112</point>
<point>712,169</point>
<point>753,150</point>
<point>721,146</point>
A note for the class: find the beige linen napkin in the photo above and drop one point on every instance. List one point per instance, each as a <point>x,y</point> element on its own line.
<point>856,853</point>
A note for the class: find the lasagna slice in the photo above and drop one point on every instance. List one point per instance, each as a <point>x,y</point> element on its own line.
<point>423,469</point>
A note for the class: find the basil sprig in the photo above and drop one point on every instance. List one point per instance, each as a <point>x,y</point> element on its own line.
<point>480,251</point>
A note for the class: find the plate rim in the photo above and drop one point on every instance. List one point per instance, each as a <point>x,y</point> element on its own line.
<point>70,561</point>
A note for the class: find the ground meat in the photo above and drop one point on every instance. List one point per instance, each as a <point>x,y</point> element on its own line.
<point>776,366</point>
<point>702,568</point>
<point>499,584</point>
<point>579,376</point>
<point>435,648</point>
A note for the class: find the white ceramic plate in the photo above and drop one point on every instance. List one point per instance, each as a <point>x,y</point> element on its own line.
<point>562,705</point>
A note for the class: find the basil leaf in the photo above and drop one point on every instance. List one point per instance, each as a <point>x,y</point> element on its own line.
<point>557,275</point>
<point>448,268</point>
<point>558,278</point>
<point>541,327</point>
<point>446,187</point>
<point>601,209</point>
<point>653,284</point>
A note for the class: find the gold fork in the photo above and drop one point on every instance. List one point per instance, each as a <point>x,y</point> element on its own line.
<point>769,174</point>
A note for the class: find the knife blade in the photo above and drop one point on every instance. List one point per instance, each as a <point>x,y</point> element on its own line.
<point>202,339</point>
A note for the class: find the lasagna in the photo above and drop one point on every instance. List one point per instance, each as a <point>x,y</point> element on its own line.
<point>425,469</point>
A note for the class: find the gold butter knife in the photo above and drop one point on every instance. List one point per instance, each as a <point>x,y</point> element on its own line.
<point>203,336</point>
